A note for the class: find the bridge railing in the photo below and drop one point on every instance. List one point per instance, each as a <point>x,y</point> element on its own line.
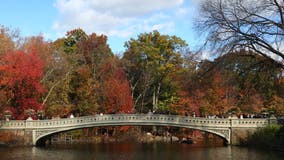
<point>134,119</point>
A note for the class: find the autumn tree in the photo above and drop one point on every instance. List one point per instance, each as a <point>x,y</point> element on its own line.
<point>256,76</point>
<point>20,85</point>
<point>7,38</point>
<point>275,105</point>
<point>188,104</point>
<point>39,45</point>
<point>83,93</point>
<point>70,88</point>
<point>79,57</point>
<point>95,51</point>
<point>112,87</point>
<point>237,24</point>
<point>57,80</point>
<point>210,92</point>
<point>71,40</point>
<point>240,82</point>
<point>115,91</point>
<point>150,61</point>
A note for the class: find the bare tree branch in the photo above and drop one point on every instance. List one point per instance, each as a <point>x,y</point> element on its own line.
<point>237,24</point>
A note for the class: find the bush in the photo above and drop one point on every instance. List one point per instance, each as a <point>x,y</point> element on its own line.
<point>270,137</point>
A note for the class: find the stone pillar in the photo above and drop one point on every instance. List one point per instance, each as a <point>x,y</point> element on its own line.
<point>239,135</point>
<point>16,137</point>
<point>233,121</point>
<point>28,137</point>
<point>272,120</point>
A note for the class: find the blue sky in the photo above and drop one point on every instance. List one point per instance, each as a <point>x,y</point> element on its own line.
<point>120,20</point>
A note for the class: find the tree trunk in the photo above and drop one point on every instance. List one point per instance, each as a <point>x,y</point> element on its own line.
<point>51,89</point>
<point>156,94</point>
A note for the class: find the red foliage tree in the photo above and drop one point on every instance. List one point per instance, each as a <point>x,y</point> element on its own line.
<point>116,91</point>
<point>20,83</point>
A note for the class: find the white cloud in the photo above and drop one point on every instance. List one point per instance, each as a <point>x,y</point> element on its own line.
<point>182,12</point>
<point>120,18</point>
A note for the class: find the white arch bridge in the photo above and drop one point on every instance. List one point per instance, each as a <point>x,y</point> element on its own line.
<point>231,130</point>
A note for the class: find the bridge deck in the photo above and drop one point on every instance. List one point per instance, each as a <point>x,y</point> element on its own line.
<point>134,119</point>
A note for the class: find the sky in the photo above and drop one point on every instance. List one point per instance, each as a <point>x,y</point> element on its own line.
<point>120,20</point>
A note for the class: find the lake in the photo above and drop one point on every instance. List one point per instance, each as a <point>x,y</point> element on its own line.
<point>136,151</point>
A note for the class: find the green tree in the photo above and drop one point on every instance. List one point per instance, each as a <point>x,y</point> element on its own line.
<point>151,61</point>
<point>57,80</point>
<point>83,93</point>
<point>71,40</point>
<point>83,56</point>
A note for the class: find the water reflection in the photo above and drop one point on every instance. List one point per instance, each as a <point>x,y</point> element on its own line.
<point>132,151</point>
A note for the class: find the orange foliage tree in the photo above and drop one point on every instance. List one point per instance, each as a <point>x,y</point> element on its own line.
<point>115,88</point>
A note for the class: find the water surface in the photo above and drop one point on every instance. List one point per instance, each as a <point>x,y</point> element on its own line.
<point>133,151</point>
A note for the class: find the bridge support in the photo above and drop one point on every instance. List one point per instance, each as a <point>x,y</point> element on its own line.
<point>17,137</point>
<point>241,129</point>
<point>240,135</point>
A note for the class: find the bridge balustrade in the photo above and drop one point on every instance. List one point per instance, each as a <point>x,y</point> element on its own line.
<point>135,118</point>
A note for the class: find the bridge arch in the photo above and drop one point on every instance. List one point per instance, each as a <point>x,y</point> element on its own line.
<point>41,140</point>
<point>220,132</point>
